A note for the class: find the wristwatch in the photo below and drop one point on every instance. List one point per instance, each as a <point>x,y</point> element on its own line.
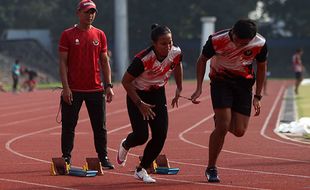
<point>259,97</point>
<point>110,85</point>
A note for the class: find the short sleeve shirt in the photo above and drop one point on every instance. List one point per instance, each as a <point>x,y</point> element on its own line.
<point>151,73</point>
<point>84,49</point>
<point>16,69</point>
<point>297,63</point>
<point>229,60</point>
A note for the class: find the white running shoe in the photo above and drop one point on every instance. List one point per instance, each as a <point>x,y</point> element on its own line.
<point>122,154</point>
<point>143,176</point>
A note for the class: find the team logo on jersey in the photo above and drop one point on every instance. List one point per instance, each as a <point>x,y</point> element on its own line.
<point>248,52</point>
<point>96,42</point>
<point>77,42</point>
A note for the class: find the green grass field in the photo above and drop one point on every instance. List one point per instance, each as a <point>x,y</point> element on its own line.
<point>303,101</point>
<point>49,85</point>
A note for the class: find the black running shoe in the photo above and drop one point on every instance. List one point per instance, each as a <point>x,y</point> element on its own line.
<point>106,164</point>
<point>211,174</point>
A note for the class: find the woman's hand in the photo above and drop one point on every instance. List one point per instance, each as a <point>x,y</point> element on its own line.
<point>146,110</point>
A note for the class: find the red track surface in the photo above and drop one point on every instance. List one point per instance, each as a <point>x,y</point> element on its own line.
<point>30,137</point>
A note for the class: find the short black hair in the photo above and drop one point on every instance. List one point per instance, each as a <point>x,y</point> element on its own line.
<point>158,30</point>
<point>245,29</point>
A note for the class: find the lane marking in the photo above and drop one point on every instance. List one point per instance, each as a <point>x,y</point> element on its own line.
<point>123,127</point>
<point>35,184</point>
<point>27,111</point>
<point>264,128</point>
<point>181,136</point>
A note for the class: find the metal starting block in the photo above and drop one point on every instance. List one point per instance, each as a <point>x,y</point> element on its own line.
<point>168,171</point>
<point>90,169</point>
<point>81,172</point>
<point>59,167</point>
<point>93,164</point>
<point>161,166</point>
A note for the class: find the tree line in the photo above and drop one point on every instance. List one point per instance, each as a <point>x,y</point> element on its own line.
<point>278,18</point>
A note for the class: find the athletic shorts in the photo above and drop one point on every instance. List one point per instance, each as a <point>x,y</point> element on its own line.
<point>298,75</point>
<point>232,93</point>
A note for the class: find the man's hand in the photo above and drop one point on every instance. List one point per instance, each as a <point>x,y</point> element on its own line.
<point>257,106</point>
<point>109,94</point>
<point>67,95</point>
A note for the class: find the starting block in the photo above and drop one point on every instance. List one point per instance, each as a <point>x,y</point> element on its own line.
<point>161,166</point>
<point>81,172</point>
<point>90,169</point>
<point>93,164</point>
<point>59,167</point>
<point>168,171</point>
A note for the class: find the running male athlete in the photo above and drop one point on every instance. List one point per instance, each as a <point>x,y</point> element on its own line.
<point>233,52</point>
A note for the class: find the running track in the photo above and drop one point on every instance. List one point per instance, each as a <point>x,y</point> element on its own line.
<point>30,137</point>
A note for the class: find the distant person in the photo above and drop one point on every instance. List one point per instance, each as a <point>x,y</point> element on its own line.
<point>144,83</point>
<point>15,75</point>
<point>232,52</point>
<point>298,68</point>
<point>83,58</point>
<point>2,88</point>
<point>30,83</point>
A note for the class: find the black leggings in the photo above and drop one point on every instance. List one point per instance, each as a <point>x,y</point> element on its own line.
<point>159,125</point>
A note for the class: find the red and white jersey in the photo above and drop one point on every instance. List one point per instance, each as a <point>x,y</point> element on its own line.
<point>297,63</point>
<point>151,73</point>
<point>83,48</point>
<point>230,60</point>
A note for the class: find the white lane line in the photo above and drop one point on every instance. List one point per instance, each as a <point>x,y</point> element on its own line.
<point>120,128</point>
<point>244,170</point>
<point>35,184</point>
<point>27,120</point>
<point>19,106</point>
<point>47,116</point>
<point>192,182</point>
<point>263,130</point>
<point>197,165</point>
<point>181,136</point>
<point>27,111</point>
<point>8,144</point>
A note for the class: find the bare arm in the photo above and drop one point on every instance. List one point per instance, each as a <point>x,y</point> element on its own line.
<point>106,70</point>
<point>63,70</point>
<point>260,77</point>
<point>145,109</point>
<point>130,89</point>
<point>178,76</point>
<point>200,72</point>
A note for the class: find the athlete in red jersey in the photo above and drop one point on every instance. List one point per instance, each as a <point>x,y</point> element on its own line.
<point>83,50</point>
<point>232,76</point>
<point>145,82</point>
<point>298,68</point>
